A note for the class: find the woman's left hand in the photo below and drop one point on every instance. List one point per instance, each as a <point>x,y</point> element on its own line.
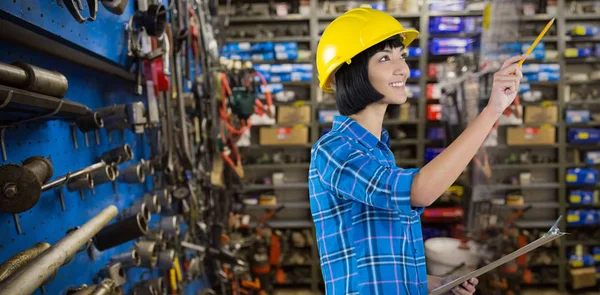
<point>466,288</point>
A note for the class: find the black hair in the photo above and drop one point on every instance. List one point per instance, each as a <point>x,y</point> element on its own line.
<point>353,90</point>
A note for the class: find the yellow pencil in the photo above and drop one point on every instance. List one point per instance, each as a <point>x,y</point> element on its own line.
<point>537,40</point>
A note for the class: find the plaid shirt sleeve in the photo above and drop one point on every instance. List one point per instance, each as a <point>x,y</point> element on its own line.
<point>350,173</point>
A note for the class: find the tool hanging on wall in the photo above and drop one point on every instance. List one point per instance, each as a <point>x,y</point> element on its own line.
<point>74,7</point>
<point>115,6</point>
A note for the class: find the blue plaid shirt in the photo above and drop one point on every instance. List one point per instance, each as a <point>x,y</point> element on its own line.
<point>369,236</point>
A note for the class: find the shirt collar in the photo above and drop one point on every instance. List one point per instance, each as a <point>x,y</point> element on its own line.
<point>350,127</point>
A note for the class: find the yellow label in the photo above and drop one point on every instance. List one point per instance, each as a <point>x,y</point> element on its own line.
<point>577,263</point>
<point>572,218</point>
<point>299,103</point>
<point>571,178</point>
<point>546,103</point>
<point>597,257</point>
<point>487,15</point>
<point>546,126</point>
<point>583,135</point>
<point>575,199</point>
<point>571,52</point>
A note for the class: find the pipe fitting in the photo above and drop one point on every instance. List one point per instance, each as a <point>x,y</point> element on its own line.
<point>164,197</point>
<point>170,226</point>
<point>118,155</point>
<point>165,258</point>
<point>148,252</point>
<point>127,259</point>
<point>137,208</point>
<point>151,202</point>
<point>147,166</point>
<point>114,272</point>
<point>80,183</point>
<point>132,174</point>
<point>120,232</point>
<point>89,122</point>
<point>104,175</point>
<point>21,185</point>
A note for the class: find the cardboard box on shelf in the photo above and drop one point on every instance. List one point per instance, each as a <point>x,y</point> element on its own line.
<point>530,135</point>
<point>541,114</point>
<point>582,277</point>
<point>283,135</point>
<point>293,114</point>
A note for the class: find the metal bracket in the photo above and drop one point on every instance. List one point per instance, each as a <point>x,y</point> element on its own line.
<point>17,223</point>
<point>60,191</point>
<point>74,135</point>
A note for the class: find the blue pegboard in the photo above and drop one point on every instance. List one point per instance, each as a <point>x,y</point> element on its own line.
<point>46,221</point>
<point>106,36</point>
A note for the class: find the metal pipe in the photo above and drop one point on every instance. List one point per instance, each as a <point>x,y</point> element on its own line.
<point>62,179</point>
<point>132,174</point>
<point>165,258</point>
<point>169,225</point>
<point>32,78</point>
<point>105,287</point>
<point>105,175</point>
<point>80,183</point>
<point>136,208</point>
<point>148,252</point>
<point>121,232</point>
<point>148,167</point>
<point>151,202</point>
<point>127,259</point>
<point>13,263</point>
<point>118,155</point>
<point>89,122</point>
<point>164,197</point>
<point>30,277</point>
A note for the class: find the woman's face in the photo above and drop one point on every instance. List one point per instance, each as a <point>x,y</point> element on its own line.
<point>388,72</point>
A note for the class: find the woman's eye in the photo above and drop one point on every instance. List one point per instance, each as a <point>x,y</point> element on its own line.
<point>384,58</point>
<point>404,54</point>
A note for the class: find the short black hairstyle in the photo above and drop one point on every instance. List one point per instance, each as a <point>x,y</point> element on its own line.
<point>353,90</point>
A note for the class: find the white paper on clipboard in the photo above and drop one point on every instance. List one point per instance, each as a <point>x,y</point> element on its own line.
<point>553,234</point>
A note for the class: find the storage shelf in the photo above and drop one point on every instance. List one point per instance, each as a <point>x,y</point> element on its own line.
<point>259,187</point>
<point>582,39</point>
<point>280,224</point>
<point>583,102</point>
<point>535,224</point>
<point>535,146</point>
<point>583,82</point>
<point>586,16</point>
<point>583,125</point>
<point>532,38</point>
<point>538,205</point>
<point>330,17</point>
<point>274,39</point>
<point>268,18</point>
<point>277,166</point>
<point>537,17</point>
<point>283,61</point>
<point>287,205</point>
<point>583,60</point>
<point>583,206</point>
<point>570,243</point>
<point>456,13</point>
<point>520,186</point>
<point>523,166</point>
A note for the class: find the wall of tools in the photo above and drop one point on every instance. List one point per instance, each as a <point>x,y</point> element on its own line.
<point>106,149</point>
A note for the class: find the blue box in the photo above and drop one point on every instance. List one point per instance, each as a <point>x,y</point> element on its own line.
<point>305,68</point>
<point>446,5</point>
<point>536,68</point>
<point>597,51</point>
<point>280,78</point>
<point>511,47</point>
<point>300,76</point>
<point>444,24</point>
<point>592,157</point>
<point>541,76</point>
<point>578,116</point>
<point>262,56</point>
<point>286,55</point>
<point>415,73</point>
<point>583,135</point>
<point>524,87</point>
<point>273,87</point>
<point>414,89</point>
<point>281,68</point>
<point>285,46</point>
<point>581,197</point>
<point>582,176</point>
<point>596,253</point>
<point>582,217</point>
<point>326,116</point>
<point>436,133</point>
<point>432,152</point>
<point>414,51</point>
<point>586,260</point>
<point>441,46</point>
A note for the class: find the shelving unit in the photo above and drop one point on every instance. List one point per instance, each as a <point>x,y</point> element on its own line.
<point>420,124</point>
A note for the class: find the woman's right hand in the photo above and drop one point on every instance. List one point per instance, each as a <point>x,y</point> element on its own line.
<point>506,84</point>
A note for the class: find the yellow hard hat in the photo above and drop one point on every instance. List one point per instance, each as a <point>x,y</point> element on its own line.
<point>350,34</point>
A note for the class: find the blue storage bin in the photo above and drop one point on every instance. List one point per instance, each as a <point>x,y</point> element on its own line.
<point>592,157</point>
<point>578,116</point>
<point>436,133</point>
<point>536,68</point>
<point>524,87</point>
<point>280,78</point>
<point>305,68</point>
<point>281,68</point>
<point>415,73</point>
<point>582,217</point>
<point>273,87</point>
<point>583,135</point>
<point>541,76</point>
<point>586,260</point>
<point>286,55</point>
<point>414,51</point>
<point>414,89</point>
<point>441,46</point>
<point>582,176</point>
<point>300,76</point>
<point>432,152</point>
<point>443,24</point>
<point>263,56</point>
<point>581,197</point>
<point>286,46</point>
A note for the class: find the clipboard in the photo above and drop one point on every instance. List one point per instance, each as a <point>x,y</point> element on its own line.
<point>553,234</point>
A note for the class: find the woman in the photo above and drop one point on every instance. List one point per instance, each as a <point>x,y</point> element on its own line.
<point>366,210</point>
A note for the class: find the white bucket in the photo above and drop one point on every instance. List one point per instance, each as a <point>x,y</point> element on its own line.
<point>444,256</point>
